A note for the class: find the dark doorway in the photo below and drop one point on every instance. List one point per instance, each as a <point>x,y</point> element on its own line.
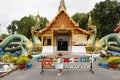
<point>62,45</point>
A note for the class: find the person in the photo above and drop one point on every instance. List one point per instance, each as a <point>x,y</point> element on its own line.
<point>59,65</point>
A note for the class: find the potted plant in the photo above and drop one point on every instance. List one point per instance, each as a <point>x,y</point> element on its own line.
<point>22,61</point>
<point>103,63</point>
<point>6,58</point>
<point>113,62</point>
<point>14,60</point>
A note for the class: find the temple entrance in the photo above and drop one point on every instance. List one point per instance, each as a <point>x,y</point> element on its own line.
<point>62,40</point>
<point>62,43</point>
<point>62,46</point>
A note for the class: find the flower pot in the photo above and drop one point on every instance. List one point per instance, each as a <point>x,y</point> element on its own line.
<point>104,65</point>
<point>22,66</point>
<point>113,65</point>
<point>29,65</point>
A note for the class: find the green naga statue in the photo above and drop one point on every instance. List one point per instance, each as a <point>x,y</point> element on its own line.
<point>110,42</point>
<point>34,44</point>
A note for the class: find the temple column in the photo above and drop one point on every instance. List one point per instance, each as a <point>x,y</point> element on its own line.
<point>52,42</point>
<point>71,39</point>
<point>42,41</point>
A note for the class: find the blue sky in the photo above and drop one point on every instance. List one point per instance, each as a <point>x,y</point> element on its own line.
<point>16,9</point>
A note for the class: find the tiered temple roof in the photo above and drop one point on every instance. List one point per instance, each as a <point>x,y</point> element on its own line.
<point>63,21</point>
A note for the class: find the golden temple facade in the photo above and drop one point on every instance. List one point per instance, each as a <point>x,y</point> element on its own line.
<point>63,32</point>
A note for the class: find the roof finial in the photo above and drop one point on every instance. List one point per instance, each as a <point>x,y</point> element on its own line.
<point>89,20</point>
<point>62,5</point>
<point>37,20</point>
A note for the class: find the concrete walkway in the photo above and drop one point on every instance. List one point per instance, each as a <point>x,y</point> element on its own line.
<point>81,74</point>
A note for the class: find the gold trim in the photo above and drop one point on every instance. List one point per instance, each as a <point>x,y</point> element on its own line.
<point>42,40</point>
<point>62,29</point>
<point>52,38</point>
<point>44,35</point>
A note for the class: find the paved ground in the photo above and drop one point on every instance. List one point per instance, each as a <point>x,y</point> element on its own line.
<point>81,74</point>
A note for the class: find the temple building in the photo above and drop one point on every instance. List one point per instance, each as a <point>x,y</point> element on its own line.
<point>117,30</point>
<point>1,38</point>
<point>62,33</point>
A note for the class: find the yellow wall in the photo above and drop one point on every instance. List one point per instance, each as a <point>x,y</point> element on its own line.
<point>79,39</point>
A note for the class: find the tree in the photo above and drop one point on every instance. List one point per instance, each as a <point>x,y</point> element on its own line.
<point>82,19</point>
<point>105,15</point>
<point>23,26</point>
<point>4,35</point>
<point>12,28</point>
<point>43,22</point>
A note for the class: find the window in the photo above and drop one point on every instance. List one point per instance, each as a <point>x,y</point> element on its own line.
<point>48,41</point>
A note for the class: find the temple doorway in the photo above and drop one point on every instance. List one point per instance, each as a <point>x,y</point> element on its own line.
<point>62,43</point>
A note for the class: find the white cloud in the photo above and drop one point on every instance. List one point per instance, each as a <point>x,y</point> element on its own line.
<point>16,9</point>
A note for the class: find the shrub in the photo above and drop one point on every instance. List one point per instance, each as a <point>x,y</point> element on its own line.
<point>114,60</point>
<point>14,60</point>
<point>6,58</point>
<point>22,60</point>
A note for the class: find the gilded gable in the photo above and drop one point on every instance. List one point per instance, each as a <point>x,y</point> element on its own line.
<point>62,21</point>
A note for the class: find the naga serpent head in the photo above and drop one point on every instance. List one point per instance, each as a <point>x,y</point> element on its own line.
<point>91,28</point>
<point>35,29</point>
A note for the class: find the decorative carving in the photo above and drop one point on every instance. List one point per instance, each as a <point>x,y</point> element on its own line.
<point>62,20</point>
<point>90,46</point>
<point>35,29</point>
<point>62,5</point>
